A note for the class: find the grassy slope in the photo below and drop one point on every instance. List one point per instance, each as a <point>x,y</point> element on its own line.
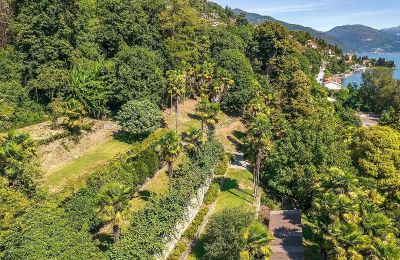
<point>84,164</point>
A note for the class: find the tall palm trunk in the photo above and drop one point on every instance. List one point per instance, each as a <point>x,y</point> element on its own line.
<point>116,233</point>
<point>257,172</point>
<point>176,115</point>
<point>170,169</point>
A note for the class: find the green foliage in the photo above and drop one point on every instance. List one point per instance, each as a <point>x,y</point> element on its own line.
<point>379,90</point>
<point>12,205</point>
<point>194,226</point>
<point>257,238</point>
<point>224,233</point>
<point>131,169</point>
<point>350,222</point>
<point>179,249</point>
<point>17,152</point>
<point>376,153</point>
<point>44,32</point>
<point>153,226</point>
<point>390,117</point>
<point>212,193</point>
<point>125,23</point>
<point>139,117</point>
<point>272,40</point>
<point>222,166</point>
<point>245,84</point>
<point>113,199</point>
<point>89,88</point>
<point>137,75</point>
<point>308,148</point>
<point>208,112</point>
<point>169,148</point>
<point>45,233</point>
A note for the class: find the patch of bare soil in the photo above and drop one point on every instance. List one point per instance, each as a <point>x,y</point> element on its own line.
<point>57,154</point>
<point>368,119</point>
<point>42,131</point>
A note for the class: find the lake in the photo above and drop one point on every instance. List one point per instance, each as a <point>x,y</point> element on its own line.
<point>357,77</point>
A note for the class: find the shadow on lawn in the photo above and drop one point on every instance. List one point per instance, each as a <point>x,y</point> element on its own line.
<point>231,185</point>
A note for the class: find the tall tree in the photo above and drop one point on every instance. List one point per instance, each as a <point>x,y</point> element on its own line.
<point>169,148</point>
<point>113,200</point>
<point>259,136</point>
<point>209,113</point>
<point>176,89</point>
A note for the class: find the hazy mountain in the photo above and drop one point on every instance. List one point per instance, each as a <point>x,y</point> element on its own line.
<point>358,38</point>
<point>257,19</point>
<point>363,38</point>
<point>394,30</point>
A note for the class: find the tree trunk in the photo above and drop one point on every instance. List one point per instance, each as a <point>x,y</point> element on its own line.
<point>4,22</point>
<point>257,172</point>
<point>176,115</point>
<point>116,233</point>
<point>170,169</point>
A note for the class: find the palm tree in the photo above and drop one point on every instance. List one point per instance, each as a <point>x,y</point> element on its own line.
<point>193,138</point>
<point>208,112</point>
<point>256,242</point>
<point>221,83</point>
<point>257,105</point>
<point>113,200</point>
<point>259,136</point>
<point>176,87</point>
<point>169,148</point>
<point>16,152</point>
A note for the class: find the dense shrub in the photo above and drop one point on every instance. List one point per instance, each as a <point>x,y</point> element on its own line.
<point>46,233</point>
<point>139,117</point>
<point>222,166</point>
<point>223,239</point>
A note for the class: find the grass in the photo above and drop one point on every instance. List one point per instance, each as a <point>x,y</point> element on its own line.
<point>84,164</point>
<point>158,185</point>
<point>237,190</point>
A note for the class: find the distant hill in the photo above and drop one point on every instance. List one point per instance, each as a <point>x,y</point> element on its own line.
<point>358,38</point>
<point>363,38</point>
<point>394,30</point>
<point>258,19</point>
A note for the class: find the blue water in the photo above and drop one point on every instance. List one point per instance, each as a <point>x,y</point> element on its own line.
<point>357,77</point>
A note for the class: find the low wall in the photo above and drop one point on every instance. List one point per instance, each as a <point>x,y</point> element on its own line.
<point>187,218</point>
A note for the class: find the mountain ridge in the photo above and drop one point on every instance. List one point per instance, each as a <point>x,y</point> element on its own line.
<point>357,38</point>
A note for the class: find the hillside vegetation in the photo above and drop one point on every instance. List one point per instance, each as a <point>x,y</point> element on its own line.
<point>186,88</point>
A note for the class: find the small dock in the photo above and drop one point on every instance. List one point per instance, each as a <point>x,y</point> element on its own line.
<point>287,229</point>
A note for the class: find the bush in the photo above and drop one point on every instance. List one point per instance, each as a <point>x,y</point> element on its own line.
<point>139,117</point>
<point>223,239</point>
<point>211,194</point>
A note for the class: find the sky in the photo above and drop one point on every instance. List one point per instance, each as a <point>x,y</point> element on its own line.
<point>324,15</point>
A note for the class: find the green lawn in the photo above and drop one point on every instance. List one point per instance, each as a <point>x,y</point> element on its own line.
<point>84,164</point>
<point>158,185</point>
<point>236,191</point>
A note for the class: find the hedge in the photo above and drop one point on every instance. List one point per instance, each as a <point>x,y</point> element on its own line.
<point>155,224</point>
<point>212,193</point>
<point>222,166</point>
